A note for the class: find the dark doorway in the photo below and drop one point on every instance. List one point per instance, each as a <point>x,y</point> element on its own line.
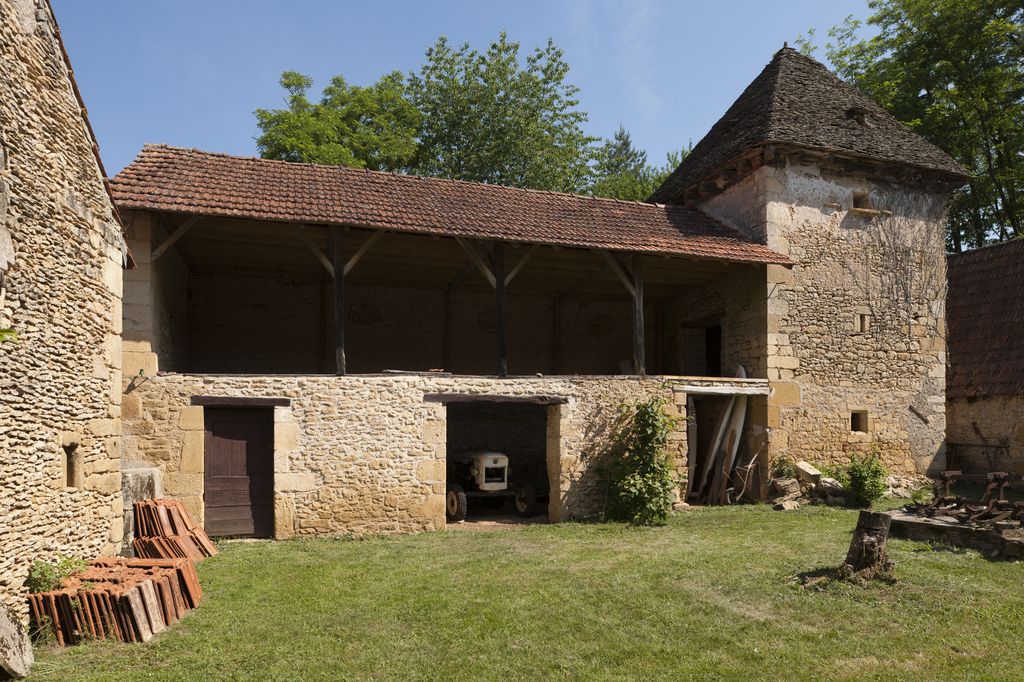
<point>713,349</point>
<point>518,431</point>
<point>239,479</point>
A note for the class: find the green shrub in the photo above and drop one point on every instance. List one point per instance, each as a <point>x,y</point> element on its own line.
<point>45,577</point>
<point>867,478</point>
<point>783,466</point>
<point>837,471</point>
<point>641,487</point>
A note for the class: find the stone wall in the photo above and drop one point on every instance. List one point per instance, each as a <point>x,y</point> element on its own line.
<point>60,379</point>
<point>366,454</point>
<point>986,434</point>
<point>839,337</point>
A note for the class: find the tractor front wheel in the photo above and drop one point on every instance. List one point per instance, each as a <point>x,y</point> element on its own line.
<point>526,500</point>
<point>455,503</point>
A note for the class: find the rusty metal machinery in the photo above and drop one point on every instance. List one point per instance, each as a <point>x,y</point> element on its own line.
<point>991,509</point>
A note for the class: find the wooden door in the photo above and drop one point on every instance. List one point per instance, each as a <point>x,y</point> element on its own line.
<point>239,478</point>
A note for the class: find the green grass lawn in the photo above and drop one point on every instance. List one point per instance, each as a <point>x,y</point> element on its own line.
<point>711,595</point>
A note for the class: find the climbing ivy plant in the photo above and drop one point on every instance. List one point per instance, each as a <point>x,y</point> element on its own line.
<point>640,471</point>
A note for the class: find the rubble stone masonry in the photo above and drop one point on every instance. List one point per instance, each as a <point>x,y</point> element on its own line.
<point>846,332</point>
<point>366,454</point>
<point>60,264</point>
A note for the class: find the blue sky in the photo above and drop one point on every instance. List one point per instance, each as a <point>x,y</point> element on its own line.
<point>190,72</point>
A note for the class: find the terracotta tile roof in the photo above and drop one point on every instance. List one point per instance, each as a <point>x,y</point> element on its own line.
<point>180,180</point>
<point>797,100</point>
<point>985,321</point>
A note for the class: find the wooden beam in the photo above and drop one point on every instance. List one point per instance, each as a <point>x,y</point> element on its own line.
<point>162,220</point>
<point>305,238</point>
<point>620,271</point>
<point>447,350</point>
<point>639,361</point>
<point>357,256</point>
<point>697,387</point>
<point>178,233</point>
<point>338,257</point>
<point>489,398</point>
<point>232,401</point>
<point>478,260</point>
<point>498,258</point>
<point>519,266</point>
<point>556,335</point>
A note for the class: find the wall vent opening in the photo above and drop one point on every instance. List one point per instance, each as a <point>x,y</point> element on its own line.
<point>862,323</point>
<point>859,421</point>
<point>72,466</point>
<point>860,115</point>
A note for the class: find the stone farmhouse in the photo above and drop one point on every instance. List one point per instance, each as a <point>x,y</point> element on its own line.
<point>300,348</point>
<point>61,258</point>
<point>985,388</point>
<point>305,345</point>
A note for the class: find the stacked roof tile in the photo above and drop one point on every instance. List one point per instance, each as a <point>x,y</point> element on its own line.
<point>985,322</point>
<point>177,180</point>
<point>796,100</point>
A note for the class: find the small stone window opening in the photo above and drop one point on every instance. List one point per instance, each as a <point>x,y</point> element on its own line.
<point>862,200</point>
<point>863,323</point>
<point>72,466</point>
<point>859,421</point>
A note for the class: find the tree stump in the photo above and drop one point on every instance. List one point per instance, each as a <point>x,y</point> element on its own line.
<point>868,557</point>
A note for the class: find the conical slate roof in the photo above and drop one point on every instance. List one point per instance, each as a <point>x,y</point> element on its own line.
<point>797,100</point>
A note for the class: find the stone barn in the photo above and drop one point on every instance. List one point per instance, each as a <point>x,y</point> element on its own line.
<point>985,388</point>
<point>305,346</point>
<point>61,257</point>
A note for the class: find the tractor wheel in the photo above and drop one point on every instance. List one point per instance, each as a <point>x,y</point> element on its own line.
<point>455,503</point>
<point>526,500</point>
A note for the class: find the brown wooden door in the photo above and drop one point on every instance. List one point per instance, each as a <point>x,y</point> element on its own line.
<point>239,471</point>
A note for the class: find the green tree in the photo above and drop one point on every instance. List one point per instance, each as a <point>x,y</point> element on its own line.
<point>954,71</point>
<point>490,117</point>
<point>621,171</point>
<point>363,127</point>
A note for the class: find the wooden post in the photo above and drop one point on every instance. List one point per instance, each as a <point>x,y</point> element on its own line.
<point>638,319</point>
<point>556,335</point>
<point>447,362</point>
<point>498,256</point>
<point>338,257</point>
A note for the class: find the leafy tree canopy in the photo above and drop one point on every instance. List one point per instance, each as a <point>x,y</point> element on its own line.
<point>489,118</point>
<point>363,127</point>
<point>621,171</point>
<point>497,116</point>
<point>954,71</point>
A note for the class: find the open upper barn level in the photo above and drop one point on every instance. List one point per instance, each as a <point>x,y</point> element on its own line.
<point>266,267</point>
